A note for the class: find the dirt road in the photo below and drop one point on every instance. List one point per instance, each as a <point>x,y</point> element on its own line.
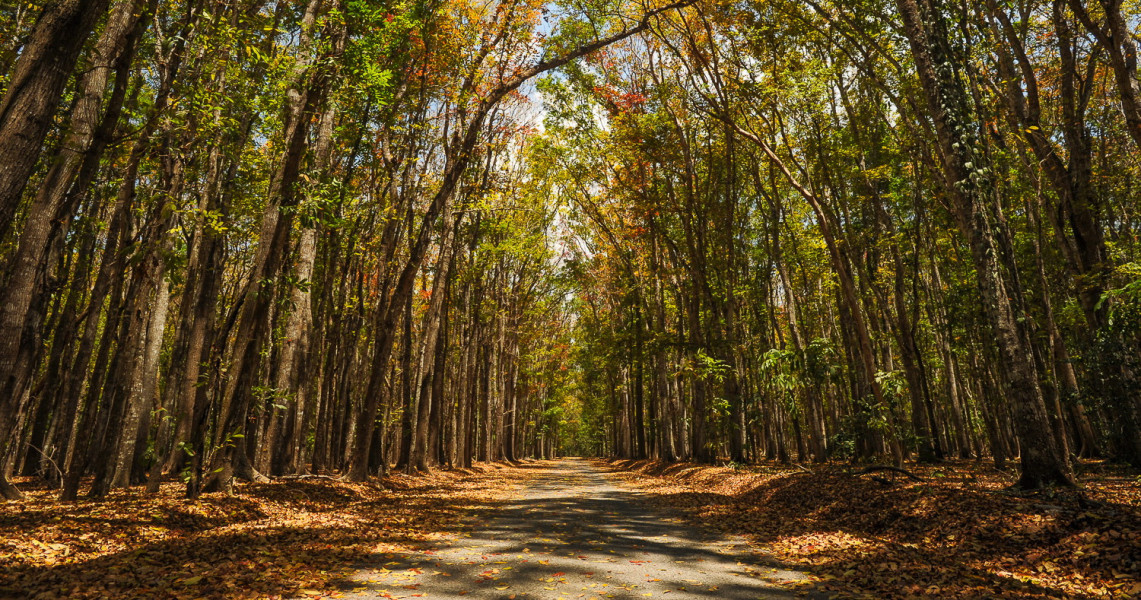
<point>571,533</point>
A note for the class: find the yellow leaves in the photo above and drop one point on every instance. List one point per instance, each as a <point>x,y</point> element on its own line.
<point>1047,567</point>
<point>54,549</point>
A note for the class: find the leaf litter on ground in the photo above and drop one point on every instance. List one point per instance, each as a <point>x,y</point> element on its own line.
<point>959,533</point>
<point>289,538</point>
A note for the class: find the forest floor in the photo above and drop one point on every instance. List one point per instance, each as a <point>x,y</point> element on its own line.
<point>288,538</point>
<point>958,533</point>
<point>540,529</point>
<point>567,529</point>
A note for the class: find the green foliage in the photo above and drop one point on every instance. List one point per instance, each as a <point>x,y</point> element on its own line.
<point>706,368</point>
<point>378,43</point>
<point>893,384</point>
<point>1114,355</point>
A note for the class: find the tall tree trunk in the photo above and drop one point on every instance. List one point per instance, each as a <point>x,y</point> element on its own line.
<point>55,202</point>
<point>976,209</point>
<point>433,335</point>
<point>312,79</point>
<point>407,413</point>
<point>33,95</point>
<point>294,353</point>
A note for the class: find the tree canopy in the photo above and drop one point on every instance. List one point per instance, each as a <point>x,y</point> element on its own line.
<point>248,238</point>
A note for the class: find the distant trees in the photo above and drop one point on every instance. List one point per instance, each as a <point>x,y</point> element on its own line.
<point>248,239</point>
<point>860,224</point>
<point>234,235</point>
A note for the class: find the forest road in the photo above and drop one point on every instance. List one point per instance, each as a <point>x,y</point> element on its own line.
<point>571,533</point>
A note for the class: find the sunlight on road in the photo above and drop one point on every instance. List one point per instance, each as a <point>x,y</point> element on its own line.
<point>573,534</point>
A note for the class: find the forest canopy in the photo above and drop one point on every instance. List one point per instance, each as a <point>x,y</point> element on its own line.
<point>248,238</point>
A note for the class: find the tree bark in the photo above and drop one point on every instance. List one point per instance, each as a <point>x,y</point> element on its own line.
<point>56,200</point>
<point>976,210</point>
<point>34,92</point>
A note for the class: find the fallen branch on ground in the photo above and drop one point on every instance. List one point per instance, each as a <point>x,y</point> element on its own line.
<point>301,477</point>
<point>878,468</point>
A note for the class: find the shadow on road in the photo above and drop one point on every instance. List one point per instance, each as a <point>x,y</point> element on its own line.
<point>574,534</point>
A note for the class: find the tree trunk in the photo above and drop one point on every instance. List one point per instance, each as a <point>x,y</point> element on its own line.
<point>977,212</point>
<point>433,336</point>
<point>33,95</point>
<point>306,96</point>
<point>55,202</point>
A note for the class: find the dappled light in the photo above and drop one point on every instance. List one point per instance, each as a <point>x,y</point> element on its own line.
<point>957,533</point>
<point>315,298</point>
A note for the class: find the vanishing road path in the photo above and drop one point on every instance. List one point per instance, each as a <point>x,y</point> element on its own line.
<point>573,534</point>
